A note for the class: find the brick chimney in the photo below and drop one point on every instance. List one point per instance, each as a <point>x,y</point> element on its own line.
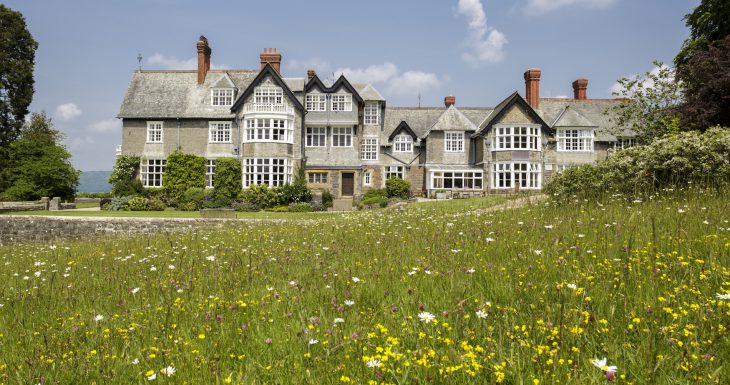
<point>203,58</point>
<point>310,74</point>
<point>271,56</point>
<point>532,87</point>
<point>580,87</point>
<point>449,101</point>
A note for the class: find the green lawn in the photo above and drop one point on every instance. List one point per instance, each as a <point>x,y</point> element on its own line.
<point>441,293</point>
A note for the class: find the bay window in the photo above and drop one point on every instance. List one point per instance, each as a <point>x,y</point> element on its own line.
<point>268,130</point>
<point>269,171</point>
<point>464,180</point>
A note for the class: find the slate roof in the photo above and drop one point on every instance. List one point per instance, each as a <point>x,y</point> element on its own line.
<point>452,119</point>
<point>591,109</point>
<point>368,92</point>
<point>569,117</point>
<point>422,119</point>
<point>176,94</point>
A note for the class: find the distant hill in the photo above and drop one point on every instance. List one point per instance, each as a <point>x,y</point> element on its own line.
<point>94,181</point>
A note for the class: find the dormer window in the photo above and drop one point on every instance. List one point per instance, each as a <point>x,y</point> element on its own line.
<point>372,113</point>
<point>316,102</point>
<point>268,95</point>
<point>221,97</point>
<point>575,140</point>
<point>403,143</point>
<point>341,102</point>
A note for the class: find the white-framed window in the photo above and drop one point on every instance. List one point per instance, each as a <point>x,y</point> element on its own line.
<point>316,102</point>
<point>268,95</point>
<point>221,97</point>
<point>460,180</point>
<point>575,140</point>
<point>151,172</point>
<point>369,149</point>
<point>403,143</point>
<point>219,132</point>
<point>341,102</point>
<point>372,113</point>
<point>269,171</point>
<point>154,132</point>
<point>268,130</point>
<point>341,136</point>
<point>209,172</point>
<point>367,178</point>
<point>516,138</point>
<point>525,175</point>
<point>394,172</point>
<point>454,142</point>
<point>317,177</point>
<point>316,137</point>
<point>622,143</point>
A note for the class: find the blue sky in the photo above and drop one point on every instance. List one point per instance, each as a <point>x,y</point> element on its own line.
<point>475,50</point>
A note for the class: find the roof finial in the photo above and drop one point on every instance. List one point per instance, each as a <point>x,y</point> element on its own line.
<point>139,60</point>
<point>419,100</point>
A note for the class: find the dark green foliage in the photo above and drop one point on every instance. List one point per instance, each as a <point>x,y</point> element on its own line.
<point>182,171</point>
<point>17,57</point>
<point>227,180</point>
<point>398,188</point>
<point>192,199</point>
<point>118,204</point>
<point>261,195</point>
<point>317,206</point>
<point>327,198</point>
<point>38,164</point>
<point>689,158</point>
<point>708,23</point>
<point>300,207</point>
<point>383,202</point>
<point>94,195</point>
<point>246,207</point>
<point>375,193</point>
<point>298,191</point>
<point>155,204</point>
<point>138,203</point>
<point>277,209</point>
<point>128,187</point>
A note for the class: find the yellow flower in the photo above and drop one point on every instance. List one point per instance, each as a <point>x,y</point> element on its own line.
<point>201,336</point>
<point>228,380</point>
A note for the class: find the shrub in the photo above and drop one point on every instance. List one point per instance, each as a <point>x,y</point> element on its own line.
<point>374,200</point>
<point>298,191</point>
<point>137,203</point>
<point>192,199</point>
<point>398,188</point>
<point>104,201</point>
<point>689,158</point>
<point>300,207</point>
<point>246,207</point>
<point>124,176</point>
<point>227,180</point>
<point>277,209</point>
<point>261,195</point>
<point>376,193</point>
<point>118,203</point>
<point>317,206</point>
<point>182,171</point>
<point>127,188</point>
<point>94,195</point>
<point>327,198</point>
<point>383,202</point>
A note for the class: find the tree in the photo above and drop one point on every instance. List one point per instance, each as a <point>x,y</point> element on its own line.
<point>708,23</point>
<point>706,78</point>
<point>650,105</point>
<point>182,171</point>
<point>38,165</point>
<point>17,56</point>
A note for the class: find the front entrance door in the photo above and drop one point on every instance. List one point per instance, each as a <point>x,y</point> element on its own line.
<point>348,184</point>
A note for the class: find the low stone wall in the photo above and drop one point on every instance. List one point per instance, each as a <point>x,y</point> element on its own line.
<point>28,228</point>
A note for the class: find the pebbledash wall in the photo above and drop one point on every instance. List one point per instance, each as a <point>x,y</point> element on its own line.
<point>33,229</point>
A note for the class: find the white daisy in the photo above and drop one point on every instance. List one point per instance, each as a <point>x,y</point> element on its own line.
<point>374,363</point>
<point>481,314</point>
<point>169,371</point>
<point>426,317</point>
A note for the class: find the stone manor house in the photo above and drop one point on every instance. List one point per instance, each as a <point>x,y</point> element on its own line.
<point>348,139</point>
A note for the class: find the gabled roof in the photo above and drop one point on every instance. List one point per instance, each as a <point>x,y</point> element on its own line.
<point>267,70</point>
<point>452,120</point>
<point>597,111</point>
<point>368,92</point>
<point>223,82</point>
<point>342,82</point>
<point>315,82</point>
<point>403,126</point>
<point>569,117</point>
<point>504,107</point>
<point>421,119</point>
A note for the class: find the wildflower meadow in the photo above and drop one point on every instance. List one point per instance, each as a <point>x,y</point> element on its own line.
<point>629,292</point>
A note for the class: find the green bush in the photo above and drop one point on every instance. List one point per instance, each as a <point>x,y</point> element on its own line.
<point>376,193</point>
<point>261,195</point>
<point>374,200</point>
<point>327,198</point>
<point>226,181</point>
<point>298,191</point>
<point>182,171</point>
<point>192,199</point>
<point>317,206</point>
<point>689,158</point>
<point>300,207</point>
<point>123,178</point>
<point>127,188</point>
<point>383,202</point>
<point>118,203</point>
<point>156,204</point>
<point>277,209</point>
<point>246,207</point>
<point>398,188</point>
<point>137,203</point>
<point>94,195</point>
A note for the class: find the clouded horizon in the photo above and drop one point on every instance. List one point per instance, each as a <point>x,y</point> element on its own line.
<point>410,51</point>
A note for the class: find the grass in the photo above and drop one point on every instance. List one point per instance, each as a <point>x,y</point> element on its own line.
<point>172,214</point>
<point>524,296</point>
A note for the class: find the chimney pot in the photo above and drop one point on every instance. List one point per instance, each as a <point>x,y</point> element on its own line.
<point>310,74</point>
<point>204,52</point>
<point>532,87</point>
<point>580,88</point>
<point>273,57</point>
<point>449,101</point>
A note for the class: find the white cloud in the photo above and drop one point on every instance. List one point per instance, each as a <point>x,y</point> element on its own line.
<point>67,111</point>
<point>301,66</point>
<point>395,82</point>
<point>536,7</point>
<point>173,63</point>
<point>412,82</point>
<point>377,73</point>
<point>106,125</point>
<point>648,82</point>
<point>485,43</point>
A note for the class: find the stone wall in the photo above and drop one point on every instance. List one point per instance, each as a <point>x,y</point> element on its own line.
<point>29,229</point>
